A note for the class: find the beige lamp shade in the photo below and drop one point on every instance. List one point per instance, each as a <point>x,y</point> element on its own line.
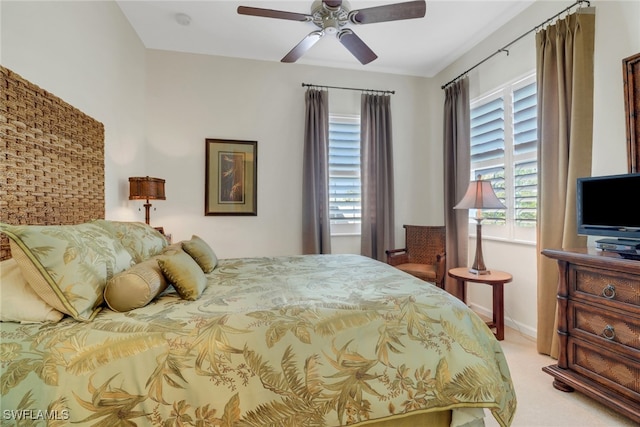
<point>480,195</point>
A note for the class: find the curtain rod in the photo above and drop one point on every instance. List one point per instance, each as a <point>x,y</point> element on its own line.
<point>504,49</point>
<point>349,88</point>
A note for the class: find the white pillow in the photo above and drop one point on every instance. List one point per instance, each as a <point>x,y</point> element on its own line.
<point>20,303</point>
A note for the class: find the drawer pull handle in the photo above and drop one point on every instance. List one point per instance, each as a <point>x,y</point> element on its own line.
<point>609,333</point>
<point>609,292</point>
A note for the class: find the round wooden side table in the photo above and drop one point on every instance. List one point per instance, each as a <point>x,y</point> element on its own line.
<point>496,279</point>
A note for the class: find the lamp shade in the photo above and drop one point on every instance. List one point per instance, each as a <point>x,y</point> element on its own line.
<point>480,195</point>
<point>147,188</point>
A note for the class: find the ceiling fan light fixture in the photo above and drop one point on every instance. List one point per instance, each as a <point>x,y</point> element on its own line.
<point>332,26</point>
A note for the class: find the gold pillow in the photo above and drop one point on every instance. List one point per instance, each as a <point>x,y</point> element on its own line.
<point>68,266</point>
<point>135,287</point>
<point>20,303</point>
<point>184,274</point>
<point>201,252</point>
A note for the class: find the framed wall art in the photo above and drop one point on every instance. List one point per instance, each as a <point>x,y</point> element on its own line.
<point>631,76</point>
<point>231,177</point>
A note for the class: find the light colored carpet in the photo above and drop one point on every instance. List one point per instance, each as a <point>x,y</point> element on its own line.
<point>539,403</point>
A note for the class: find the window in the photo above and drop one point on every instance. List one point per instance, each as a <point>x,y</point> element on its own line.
<point>344,174</point>
<point>504,151</point>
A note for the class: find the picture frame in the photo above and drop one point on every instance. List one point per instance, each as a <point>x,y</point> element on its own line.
<point>631,79</point>
<point>231,177</point>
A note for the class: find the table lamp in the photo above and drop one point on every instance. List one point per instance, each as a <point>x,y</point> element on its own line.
<point>146,188</point>
<point>479,195</point>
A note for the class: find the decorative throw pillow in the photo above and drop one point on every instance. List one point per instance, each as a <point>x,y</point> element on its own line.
<point>141,240</point>
<point>20,303</point>
<point>184,274</point>
<point>135,287</point>
<point>201,252</point>
<point>68,266</point>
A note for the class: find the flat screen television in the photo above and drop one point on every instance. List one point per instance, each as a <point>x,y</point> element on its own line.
<point>609,206</point>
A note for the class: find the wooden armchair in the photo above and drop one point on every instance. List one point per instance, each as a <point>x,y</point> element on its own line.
<point>424,254</point>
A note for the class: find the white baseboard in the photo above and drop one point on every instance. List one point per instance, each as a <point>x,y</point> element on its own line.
<point>508,321</point>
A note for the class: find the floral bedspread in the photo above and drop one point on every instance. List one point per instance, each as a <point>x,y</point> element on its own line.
<point>283,341</point>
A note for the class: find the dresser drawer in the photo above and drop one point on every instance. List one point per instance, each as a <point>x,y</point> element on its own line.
<point>598,328</point>
<point>611,370</point>
<point>608,327</point>
<point>611,288</point>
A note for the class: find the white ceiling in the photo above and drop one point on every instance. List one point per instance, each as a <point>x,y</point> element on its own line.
<point>418,47</point>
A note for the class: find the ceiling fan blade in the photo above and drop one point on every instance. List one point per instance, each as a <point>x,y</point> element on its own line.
<point>302,47</point>
<point>270,13</point>
<point>356,46</point>
<point>390,12</point>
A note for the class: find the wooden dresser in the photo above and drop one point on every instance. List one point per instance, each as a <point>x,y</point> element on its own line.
<point>599,328</point>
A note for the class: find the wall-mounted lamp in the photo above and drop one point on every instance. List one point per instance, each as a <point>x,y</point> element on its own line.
<point>479,195</point>
<point>146,188</point>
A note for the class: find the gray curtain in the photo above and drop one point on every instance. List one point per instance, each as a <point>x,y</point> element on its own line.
<point>565,129</point>
<point>377,176</point>
<point>316,227</point>
<point>457,147</point>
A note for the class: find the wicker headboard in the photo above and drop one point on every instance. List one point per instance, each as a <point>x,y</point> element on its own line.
<point>52,159</point>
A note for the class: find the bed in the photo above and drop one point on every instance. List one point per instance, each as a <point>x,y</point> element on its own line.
<point>309,340</point>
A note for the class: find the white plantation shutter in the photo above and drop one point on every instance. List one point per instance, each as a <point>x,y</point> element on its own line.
<point>526,193</point>
<point>487,152</point>
<point>525,140</point>
<point>525,119</point>
<point>487,131</point>
<point>344,170</point>
<point>504,151</point>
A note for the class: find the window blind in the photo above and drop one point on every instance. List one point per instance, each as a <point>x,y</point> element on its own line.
<point>487,131</point>
<point>525,119</point>
<point>344,170</point>
<point>487,145</point>
<point>525,141</point>
<point>503,150</point>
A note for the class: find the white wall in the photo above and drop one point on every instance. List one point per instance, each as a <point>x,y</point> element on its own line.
<point>193,97</point>
<point>617,37</point>
<point>87,54</point>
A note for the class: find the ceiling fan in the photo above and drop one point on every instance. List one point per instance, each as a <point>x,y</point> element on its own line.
<point>332,16</point>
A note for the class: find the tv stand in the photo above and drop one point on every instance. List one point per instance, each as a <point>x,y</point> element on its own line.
<point>598,324</point>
